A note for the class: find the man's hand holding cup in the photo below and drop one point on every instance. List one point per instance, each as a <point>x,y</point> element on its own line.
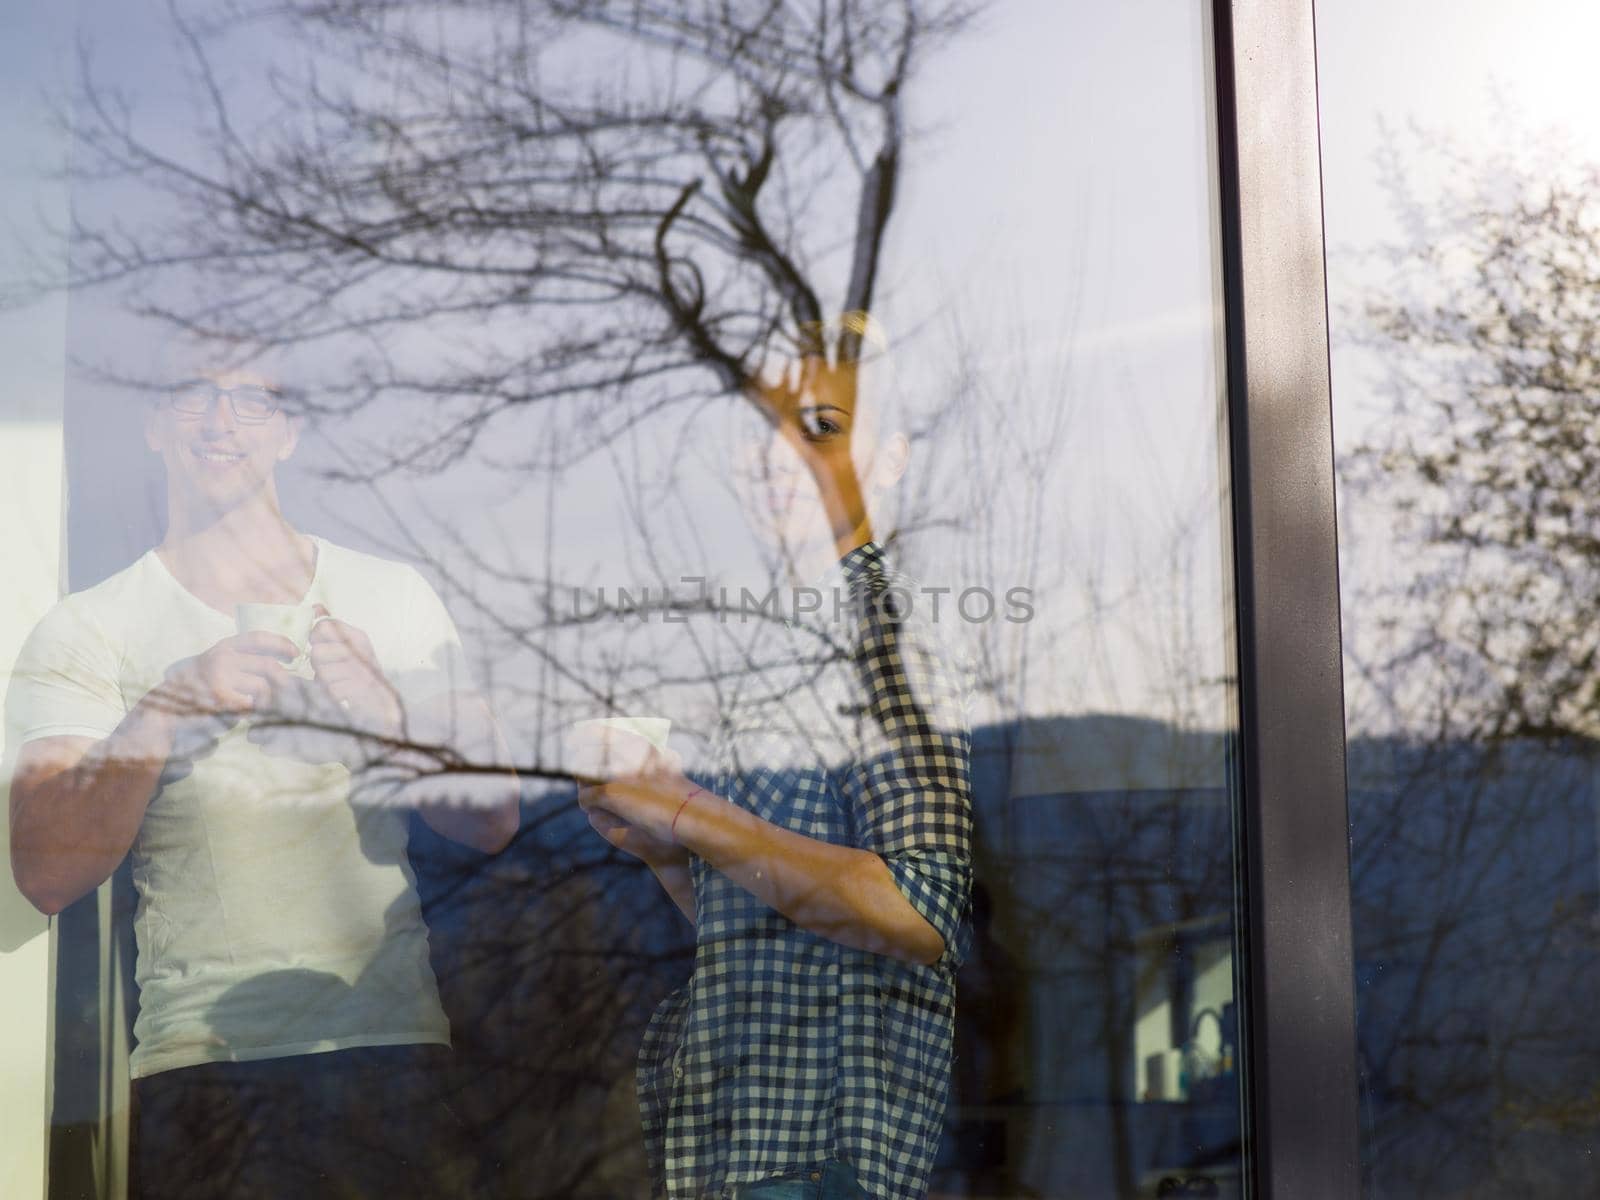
<point>327,689</point>
<point>346,670</point>
<point>209,693</point>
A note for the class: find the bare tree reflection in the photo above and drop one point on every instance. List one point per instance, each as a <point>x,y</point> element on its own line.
<point>1473,665</point>
<point>525,265</point>
<point>425,189</point>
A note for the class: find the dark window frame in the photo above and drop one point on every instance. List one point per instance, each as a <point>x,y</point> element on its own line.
<point>1302,1136</point>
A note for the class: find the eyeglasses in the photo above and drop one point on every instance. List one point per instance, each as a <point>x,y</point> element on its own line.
<point>251,403</point>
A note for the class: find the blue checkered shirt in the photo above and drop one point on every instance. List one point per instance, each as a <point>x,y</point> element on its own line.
<point>786,1050</point>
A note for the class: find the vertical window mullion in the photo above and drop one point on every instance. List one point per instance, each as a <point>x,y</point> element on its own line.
<point>1300,1013</point>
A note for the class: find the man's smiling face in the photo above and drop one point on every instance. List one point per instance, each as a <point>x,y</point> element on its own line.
<point>218,447</point>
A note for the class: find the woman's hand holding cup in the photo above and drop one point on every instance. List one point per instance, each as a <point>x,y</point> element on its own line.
<point>635,785</point>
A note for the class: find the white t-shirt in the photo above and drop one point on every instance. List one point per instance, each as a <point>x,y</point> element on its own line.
<point>275,917</point>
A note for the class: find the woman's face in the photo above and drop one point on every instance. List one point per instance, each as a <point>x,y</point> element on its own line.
<point>807,477</point>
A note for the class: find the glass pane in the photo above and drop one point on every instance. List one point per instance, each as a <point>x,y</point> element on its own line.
<point>798,426</point>
<point>1462,223</point>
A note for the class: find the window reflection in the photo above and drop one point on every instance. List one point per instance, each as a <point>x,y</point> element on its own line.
<point>825,860</point>
<point>715,436</point>
<point>1462,222</point>
<point>221,713</point>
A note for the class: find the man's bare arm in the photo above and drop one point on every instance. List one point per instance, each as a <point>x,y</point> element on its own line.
<point>489,812</point>
<point>76,805</point>
<point>77,802</point>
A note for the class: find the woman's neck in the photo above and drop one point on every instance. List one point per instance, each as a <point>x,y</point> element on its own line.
<point>844,543</point>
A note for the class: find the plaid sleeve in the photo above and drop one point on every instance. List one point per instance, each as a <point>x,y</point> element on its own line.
<point>909,785</point>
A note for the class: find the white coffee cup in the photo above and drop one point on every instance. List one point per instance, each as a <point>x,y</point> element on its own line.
<point>293,621</point>
<point>608,746</point>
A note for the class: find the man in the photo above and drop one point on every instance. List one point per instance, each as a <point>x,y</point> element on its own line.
<point>826,862</point>
<point>289,1023</point>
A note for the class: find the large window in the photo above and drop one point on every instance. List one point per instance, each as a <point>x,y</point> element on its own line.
<point>653,602</point>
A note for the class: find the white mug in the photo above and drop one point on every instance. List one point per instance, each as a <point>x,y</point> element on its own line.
<point>608,746</point>
<point>293,621</point>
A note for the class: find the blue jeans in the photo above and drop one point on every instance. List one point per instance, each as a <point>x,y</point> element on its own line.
<point>834,1181</point>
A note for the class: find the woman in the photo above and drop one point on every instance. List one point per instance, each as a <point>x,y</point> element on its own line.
<point>825,863</point>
